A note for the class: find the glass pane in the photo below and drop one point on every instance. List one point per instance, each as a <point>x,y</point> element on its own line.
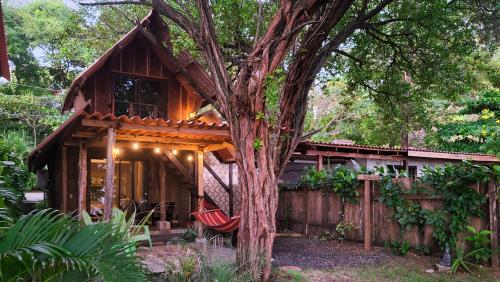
<point>124,89</point>
<point>97,181</point>
<point>125,182</point>
<point>149,93</point>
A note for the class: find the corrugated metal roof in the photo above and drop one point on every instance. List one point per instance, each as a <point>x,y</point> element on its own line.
<point>399,149</point>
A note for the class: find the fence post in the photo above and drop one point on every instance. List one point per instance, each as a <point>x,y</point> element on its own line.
<point>367,208</point>
<point>492,199</point>
<point>306,221</point>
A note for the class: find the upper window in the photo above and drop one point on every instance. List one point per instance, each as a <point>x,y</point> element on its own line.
<point>136,96</point>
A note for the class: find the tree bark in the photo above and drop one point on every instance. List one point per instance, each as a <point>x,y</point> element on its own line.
<point>263,148</point>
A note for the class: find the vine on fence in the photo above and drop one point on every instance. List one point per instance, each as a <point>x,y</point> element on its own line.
<point>452,182</point>
<point>460,202</point>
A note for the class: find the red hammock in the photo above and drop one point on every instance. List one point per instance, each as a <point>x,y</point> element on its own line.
<point>215,219</point>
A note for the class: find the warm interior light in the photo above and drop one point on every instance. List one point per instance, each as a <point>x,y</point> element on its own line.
<point>189,158</point>
<point>192,115</point>
<point>135,145</point>
<point>157,150</point>
<point>174,151</point>
<point>116,151</point>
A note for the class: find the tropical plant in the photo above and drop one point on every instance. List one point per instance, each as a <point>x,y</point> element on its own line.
<point>47,245</point>
<point>479,242</point>
<point>462,261</point>
<point>398,248</point>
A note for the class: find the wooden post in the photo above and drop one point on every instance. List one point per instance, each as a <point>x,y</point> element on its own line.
<point>65,179</point>
<point>368,224</point>
<point>110,173</point>
<point>320,162</point>
<point>163,208</point>
<point>306,213</point>
<point>493,202</point>
<point>367,208</point>
<point>82,179</point>
<point>231,192</point>
<point>200,189</point>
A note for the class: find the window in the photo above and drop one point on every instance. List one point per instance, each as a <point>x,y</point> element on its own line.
<point>128,185</point>
<point>136,96</point>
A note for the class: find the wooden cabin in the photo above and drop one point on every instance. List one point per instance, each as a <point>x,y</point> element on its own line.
<point>135,135</point>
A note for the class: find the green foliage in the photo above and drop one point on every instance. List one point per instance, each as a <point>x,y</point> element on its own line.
<point>398,248</point>
<point>462,261</point>
<point>257,144</point>
<point>406,212</point>
<point>313,178</point>
<point>340,180</point>
<point>479,241</point>
<point>190,234</point>
<point>343,228</point>
<point>193,267</point>
<point>479,251</point>
<point>461,202</point>
<point>47,245</point>
<point>475,128</point>
<point>58,33</point>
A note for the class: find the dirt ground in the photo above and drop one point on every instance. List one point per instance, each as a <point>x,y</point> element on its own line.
<point>305,259</point>
<point>309,253</point>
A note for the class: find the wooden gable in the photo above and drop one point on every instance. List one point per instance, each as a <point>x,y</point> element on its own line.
<point>144,53</point>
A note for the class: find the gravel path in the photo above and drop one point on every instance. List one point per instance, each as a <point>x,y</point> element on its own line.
<point>316,254</point>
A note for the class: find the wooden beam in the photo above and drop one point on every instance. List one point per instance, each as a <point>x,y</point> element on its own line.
<point>354,155</point>
<point>110,173</point>
<point>367,210</point>
<point>64,182</point>
<point>200,186</point>
<point>154,128</point>
<point>163,187</point>
<point>180,167</point>
<point>320,162</point>
<point>493,203</point>
<point>82,179</point>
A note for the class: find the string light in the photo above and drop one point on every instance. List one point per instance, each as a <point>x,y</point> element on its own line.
<point>116,151</point>
<point>189,158</point>
<point>174,151</point>
<point>135,146</point>
<point>157,150</point>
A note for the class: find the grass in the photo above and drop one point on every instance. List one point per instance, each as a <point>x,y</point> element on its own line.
<point>395,272</point>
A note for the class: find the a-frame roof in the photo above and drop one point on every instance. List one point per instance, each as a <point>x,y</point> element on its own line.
<point>187,70</point>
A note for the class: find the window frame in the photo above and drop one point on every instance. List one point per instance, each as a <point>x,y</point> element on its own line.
<point>160,108</point>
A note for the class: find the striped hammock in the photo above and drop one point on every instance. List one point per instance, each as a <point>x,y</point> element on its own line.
<point>215,219</point>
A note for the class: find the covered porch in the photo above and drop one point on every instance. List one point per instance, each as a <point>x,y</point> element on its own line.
<point>108,161</point>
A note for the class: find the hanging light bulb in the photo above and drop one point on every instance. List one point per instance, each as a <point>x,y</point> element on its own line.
<point>174,151</point>
<point>157,150</point>
<point>135,145</point>
<point>116,151</point>
<point>189,158</point>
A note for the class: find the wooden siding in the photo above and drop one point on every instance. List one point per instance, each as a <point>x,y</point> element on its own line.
<point>138,59</point>
<point>316,211</point>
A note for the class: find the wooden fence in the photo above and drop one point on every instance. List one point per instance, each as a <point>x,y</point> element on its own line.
<point>312,211</point>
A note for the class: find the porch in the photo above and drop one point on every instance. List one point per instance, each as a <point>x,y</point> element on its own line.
<point>107,161</point>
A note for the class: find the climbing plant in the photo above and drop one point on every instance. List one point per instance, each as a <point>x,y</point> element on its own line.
<point>454,184</point>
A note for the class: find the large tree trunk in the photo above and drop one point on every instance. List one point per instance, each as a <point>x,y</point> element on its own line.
<point>243,102</point>
<point>258,208</point>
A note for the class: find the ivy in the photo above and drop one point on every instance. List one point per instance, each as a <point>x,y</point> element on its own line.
<point>460,202</point>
